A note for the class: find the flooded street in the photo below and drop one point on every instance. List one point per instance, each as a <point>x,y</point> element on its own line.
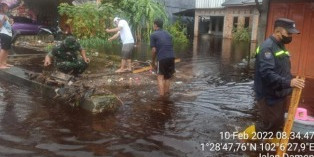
<point>217,98</point>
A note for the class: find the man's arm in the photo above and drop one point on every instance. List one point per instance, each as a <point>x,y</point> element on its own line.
<point>47,61</point>
<point>114,36</point>
<point>154,53</point>
<point>2,21</point>
<point>83,54</point>
<point>48,57</point>
<point>266,69</point>
<point>154,50</point>
<point>117,29</point>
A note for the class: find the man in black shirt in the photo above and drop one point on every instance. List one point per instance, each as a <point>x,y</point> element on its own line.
<point>161,44</point>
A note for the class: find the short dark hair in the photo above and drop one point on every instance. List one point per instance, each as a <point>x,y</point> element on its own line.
<point>159,23</point>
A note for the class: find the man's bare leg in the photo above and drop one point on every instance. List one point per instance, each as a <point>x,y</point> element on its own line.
<point>161,85</point>
<point>2,56</point>
<point>122,68</point>
<point>5,58</point>
<point>129,65</point>
<point>167,87</point>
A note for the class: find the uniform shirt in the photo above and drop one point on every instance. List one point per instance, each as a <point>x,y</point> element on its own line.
<point>125,32</point>
<point>162,41</point>
<point>62,53</point>
<point>272,72</point>
<point>6,26</point>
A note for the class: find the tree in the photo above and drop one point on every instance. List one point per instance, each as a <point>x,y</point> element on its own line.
<point>141,14</point>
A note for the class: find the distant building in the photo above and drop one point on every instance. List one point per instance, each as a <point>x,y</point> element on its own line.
<point>174,6</point>
<point>220,17</point>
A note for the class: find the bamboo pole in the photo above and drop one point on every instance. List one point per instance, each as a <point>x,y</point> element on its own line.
<point>296,94</point>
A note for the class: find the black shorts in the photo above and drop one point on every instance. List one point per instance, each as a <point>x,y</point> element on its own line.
<point>5,41</point>
<point>166,67</point>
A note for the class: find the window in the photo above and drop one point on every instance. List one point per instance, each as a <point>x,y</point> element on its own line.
<point>235,22</point>
<point>247,22</point>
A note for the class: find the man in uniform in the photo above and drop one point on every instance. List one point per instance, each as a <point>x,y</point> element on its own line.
<point>66,57</point>
<point>273,81</point>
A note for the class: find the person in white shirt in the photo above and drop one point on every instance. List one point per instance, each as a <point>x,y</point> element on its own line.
<point>126,36</point>
<point>5,36</point>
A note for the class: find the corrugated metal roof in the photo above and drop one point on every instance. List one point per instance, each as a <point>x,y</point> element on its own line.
<point>188,12</point>
<point>240,2</point>
<point>209,3</point>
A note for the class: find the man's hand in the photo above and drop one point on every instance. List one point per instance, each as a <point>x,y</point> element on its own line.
<point>297,83</point>
<point>11,21</point>
<point>47,61</point>
<point>108,30</point>
<point>153,65</point>
<point>87,60</point>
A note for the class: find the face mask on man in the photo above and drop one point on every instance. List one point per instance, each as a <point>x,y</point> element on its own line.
<point>285,39</point>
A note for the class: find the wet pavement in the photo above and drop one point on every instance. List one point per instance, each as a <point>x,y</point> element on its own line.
<point>217,98</point>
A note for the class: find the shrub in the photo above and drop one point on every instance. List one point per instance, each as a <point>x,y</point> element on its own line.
<point>178,32</point>
<point>241,34</point>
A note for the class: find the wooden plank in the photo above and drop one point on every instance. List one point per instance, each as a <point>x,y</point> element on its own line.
<point>142,69</point>
<point>296,94</point>
<point>150,67</point>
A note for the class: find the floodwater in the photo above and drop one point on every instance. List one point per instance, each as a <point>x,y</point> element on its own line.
<point>218,99</point>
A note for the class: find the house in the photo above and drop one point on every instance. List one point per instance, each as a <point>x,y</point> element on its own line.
<point>221,17</point>
<point>174,6</point>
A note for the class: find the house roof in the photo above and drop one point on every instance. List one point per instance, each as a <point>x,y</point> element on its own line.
<point>188,12</point>
<point>230,3</point>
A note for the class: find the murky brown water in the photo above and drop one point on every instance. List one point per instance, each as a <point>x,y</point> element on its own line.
<point>218,99</point>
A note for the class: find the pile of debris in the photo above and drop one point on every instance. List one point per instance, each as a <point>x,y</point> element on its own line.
<point>74,92</point>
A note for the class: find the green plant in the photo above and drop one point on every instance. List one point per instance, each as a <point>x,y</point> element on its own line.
<point>88,19</point>
<point>178,32</point>
<point>241,34</point>
<point>49,47</point>
<point>141,14</point>
<point>94,43</point>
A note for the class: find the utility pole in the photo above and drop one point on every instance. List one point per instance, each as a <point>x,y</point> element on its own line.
<point>263,10</point>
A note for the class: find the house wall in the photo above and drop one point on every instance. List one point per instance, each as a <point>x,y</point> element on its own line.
<point>228,14</point>
<point>241,13</point>
<point>201,13</point>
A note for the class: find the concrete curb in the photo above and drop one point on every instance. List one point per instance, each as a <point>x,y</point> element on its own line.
<point>16,75</point>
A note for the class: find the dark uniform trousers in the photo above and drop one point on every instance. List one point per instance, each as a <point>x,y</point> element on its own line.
<point>271,116</point>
